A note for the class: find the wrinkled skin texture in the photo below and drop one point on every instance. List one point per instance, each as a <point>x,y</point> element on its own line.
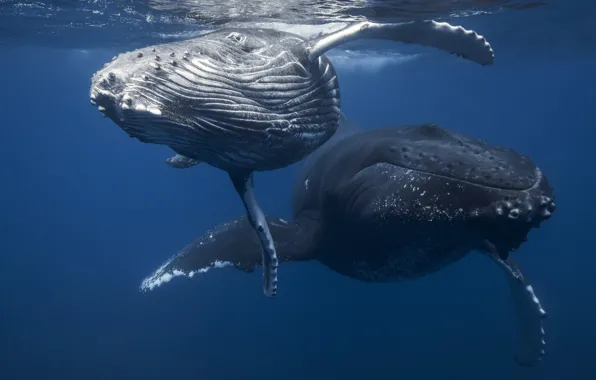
<point>237,99</point>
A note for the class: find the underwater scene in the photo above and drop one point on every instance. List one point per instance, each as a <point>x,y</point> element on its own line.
<point>298,189</point>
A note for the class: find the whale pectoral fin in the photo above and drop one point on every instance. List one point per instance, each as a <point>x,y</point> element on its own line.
<point>230,244</point>
<point>181,162</point>
<point>529,314</point>
<point>441,35</point>
<point>243,183</point>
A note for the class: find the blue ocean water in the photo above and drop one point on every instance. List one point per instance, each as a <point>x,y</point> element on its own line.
<point>86,213</point>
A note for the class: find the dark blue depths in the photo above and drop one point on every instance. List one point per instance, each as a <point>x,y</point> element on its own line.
<point>86,213</point>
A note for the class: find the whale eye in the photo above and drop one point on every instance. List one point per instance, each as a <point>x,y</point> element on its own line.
<point>235,37</point>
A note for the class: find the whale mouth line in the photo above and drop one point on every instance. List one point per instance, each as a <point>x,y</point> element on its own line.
<point>530,188</point>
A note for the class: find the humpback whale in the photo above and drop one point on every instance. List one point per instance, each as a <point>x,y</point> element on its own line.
<point>397,203</point>
<point>246,100</point>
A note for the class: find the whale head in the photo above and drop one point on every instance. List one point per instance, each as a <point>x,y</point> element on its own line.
<point>233,98</point>
<point>496,192</point>
<point>419,181</point>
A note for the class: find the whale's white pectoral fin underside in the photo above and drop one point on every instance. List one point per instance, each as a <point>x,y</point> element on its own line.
<point>441,35</point>
<point>529,315</point>
<point>181,162</point>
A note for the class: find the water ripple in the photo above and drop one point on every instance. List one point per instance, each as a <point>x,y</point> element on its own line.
<point>127,23</point>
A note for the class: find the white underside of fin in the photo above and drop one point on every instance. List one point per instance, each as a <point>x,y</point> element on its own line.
<point>530,343</point>
<point>440,35</point>
<point>167,271</point>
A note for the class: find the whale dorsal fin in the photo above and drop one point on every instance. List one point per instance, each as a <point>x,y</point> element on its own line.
<point>441,35</point>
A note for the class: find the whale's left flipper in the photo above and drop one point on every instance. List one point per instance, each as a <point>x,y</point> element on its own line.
<point>528,312</point>
<point>235,244</point>
<point>243,183</point>
<point>441,35</point>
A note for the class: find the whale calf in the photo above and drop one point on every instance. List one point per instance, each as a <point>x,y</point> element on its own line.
<point>246,100</point>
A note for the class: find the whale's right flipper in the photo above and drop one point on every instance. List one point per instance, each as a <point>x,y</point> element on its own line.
<point>181,162</point>
<point>441,35</point>
<point>528,312</point>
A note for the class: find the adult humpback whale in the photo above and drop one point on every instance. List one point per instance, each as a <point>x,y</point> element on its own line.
<point>397,203</point>
<point>246,100</point>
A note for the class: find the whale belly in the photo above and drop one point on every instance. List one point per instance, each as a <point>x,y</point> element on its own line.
<point>378,259</point>
<point>408,263</point>
<point>221,102</point>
